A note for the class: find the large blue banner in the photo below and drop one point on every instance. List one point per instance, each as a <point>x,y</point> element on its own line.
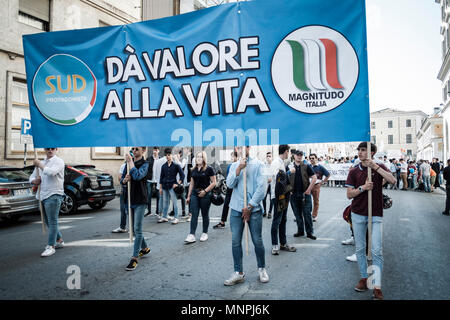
<point>273,71</point>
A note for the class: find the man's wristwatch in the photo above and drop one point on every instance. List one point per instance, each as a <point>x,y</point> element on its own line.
<point>361,190</point>
<point>249,207</point>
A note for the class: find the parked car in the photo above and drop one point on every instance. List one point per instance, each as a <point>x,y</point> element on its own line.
<point>84,184</point>
<point>16,194</point>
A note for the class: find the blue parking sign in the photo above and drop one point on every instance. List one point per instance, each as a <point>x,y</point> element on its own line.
<point>26,127</point>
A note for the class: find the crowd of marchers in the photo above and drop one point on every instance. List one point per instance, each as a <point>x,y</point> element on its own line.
<point>255,190</point>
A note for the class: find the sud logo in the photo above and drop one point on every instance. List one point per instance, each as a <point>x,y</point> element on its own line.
<point>64,89</point>
<point>314,69</point>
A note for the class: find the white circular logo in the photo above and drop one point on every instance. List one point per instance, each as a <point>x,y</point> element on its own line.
<point>314,69</point>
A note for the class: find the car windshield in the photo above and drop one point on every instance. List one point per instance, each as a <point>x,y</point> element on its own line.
<point>9,175</point>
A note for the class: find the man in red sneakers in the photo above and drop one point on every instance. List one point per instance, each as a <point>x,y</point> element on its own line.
<point>357,186</point>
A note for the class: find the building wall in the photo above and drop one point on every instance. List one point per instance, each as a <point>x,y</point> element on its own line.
<point>64,15</point>
<point>399,131</point>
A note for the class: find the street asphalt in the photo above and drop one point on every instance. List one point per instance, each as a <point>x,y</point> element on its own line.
<point>416,242</point>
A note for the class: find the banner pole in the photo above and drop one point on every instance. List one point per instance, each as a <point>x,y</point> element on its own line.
<point>39,194</point>
<point>129,205</point>
<point>369,196</point>
<point>245,206</point>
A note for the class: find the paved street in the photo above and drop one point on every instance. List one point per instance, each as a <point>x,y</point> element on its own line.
<point>416,254</point>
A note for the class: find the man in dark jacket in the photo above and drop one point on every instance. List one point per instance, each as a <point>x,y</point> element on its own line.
<point>447,187</point>
<point>138,199</point>
<point>436,168</point>
<point>168,182</point>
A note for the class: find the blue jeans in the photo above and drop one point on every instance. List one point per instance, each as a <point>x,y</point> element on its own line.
<point>426,183</point>
<point>359,224</point>
<point>166,194</point>
<point>51,207</point>
<point>302,207</point>
<point>151,187</point>
<point>278,225</point>
<point>123,209</point>
<point>139,240</point>
<point>198,204</point>
<point>237,228</point>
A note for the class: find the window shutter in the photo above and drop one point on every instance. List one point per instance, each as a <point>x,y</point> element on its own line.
<point>37,8</point>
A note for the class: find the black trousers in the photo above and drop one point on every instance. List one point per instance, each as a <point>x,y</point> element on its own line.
<point>226,204</point>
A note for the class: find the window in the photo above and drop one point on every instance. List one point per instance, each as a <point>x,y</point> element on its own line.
<point>372,125</point>
<point>103,24</point>
<point>390,139</point>
<point>390,124</point>
<point>409,153</point>
<point>19,110</point>
<point>35,13</point>
<point>105,153</point>
<point>408,123</point>
<point>408,138</point>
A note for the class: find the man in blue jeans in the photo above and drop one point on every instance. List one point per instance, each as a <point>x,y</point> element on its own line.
<point>301,195</point>
<point>138,200</point>
<point>167,183</point>
<point>51,181</point>
<point>357,189</point>
<point>252,213</point>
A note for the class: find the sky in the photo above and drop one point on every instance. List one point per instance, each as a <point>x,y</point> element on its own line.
<point>404,54</point>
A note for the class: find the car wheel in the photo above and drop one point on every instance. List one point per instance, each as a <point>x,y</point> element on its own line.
<point>69,204</point>
<point>97,205</point>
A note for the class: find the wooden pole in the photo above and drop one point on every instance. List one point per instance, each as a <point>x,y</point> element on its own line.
<point>245,206</point>
<point>130,225</point>
<point>39,195</point>
<point>369,195</point>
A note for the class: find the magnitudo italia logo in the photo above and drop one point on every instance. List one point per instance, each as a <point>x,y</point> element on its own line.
<point>314,69</point>
<point>64,89</point>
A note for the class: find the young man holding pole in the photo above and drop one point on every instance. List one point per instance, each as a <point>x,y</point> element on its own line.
<point>137,173</point>
<point>256,185</point>
<point>50,177</point>
<point>363,180</point>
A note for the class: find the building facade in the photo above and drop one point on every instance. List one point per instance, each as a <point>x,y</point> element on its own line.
<point>395,132</point>
<point>21,17</point>
<point>430,142</point>
<point>444,74</point>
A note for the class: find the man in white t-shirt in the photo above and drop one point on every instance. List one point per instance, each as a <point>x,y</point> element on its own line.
<point>404,173</point>
<point>51,181</point>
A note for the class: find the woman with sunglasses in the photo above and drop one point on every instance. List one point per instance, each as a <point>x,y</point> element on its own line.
<point>203,180</point>
<point>51,180</point>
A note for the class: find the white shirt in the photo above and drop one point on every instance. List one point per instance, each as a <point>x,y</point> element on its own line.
<point>277,164</point>
<point>425,168</point>
<point>122,168</point>
<point>52,177</point>
<point>403,167</point>
<point>184,167</point>
<point>153,169</point>
<point>157,169</point>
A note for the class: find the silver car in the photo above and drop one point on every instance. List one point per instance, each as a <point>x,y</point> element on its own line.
<point>17,196</point>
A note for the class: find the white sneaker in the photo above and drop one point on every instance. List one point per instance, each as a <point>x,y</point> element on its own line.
<point>275,250</point>
<point>49,250</point>
<point>175,221</point>
<point>350,241</point>
<point>162,220</point>
<point>59,245</point>
<point>352,258</point>
<point>314,219</point>
<point>263,276</point>
<point>171,218</point>
<point>190,238</point>
<point>119,230</point>
<point>204,237</point>
<point>234,279</point>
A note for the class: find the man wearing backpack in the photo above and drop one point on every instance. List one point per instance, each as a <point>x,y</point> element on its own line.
<point>281,201</point>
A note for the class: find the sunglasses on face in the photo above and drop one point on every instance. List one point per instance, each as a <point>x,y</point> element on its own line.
<point>46,149</point>
<point>135,149</point>
<point>312,158</point>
